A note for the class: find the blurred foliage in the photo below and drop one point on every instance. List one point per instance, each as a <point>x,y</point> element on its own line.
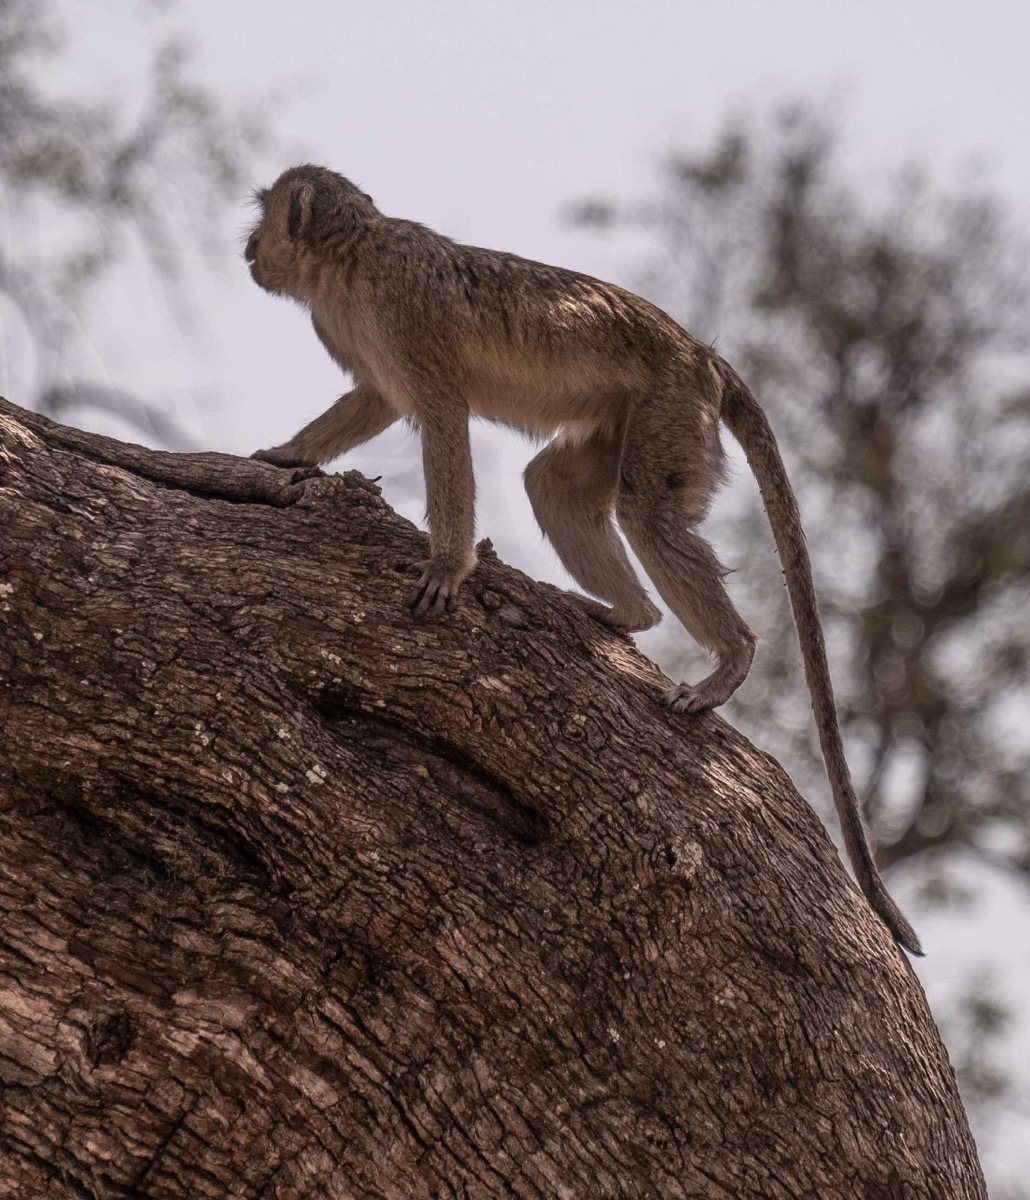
<point>883,324</point>
<point>86,182</point>
<point>978,1024</point>
<point>882,319</point>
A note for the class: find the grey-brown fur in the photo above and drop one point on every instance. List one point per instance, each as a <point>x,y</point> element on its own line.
<point>436,331</point>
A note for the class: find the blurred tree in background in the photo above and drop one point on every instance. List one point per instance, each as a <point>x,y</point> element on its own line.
<point>883,323</point>
<point>88,182</point>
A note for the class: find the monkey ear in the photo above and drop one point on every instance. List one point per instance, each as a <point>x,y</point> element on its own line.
<point>302,209</point>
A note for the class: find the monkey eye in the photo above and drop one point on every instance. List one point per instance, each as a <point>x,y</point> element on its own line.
<point>252,245</point>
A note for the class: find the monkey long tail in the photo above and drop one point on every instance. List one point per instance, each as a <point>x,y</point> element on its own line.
<point>748,424</point>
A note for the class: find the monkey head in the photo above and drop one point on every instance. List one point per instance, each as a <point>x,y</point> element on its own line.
<point>306,213</point>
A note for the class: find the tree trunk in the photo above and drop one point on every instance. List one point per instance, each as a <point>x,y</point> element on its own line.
<point>302,897</point>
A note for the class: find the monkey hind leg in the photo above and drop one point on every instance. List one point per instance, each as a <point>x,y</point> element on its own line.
<point>572,490</point>
<point>666,487</point>
<point>689,579</point>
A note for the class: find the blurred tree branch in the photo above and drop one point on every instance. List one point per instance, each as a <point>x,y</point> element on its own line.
<point>86,182</point>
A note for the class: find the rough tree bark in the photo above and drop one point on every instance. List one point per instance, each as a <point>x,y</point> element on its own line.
<point>303,898</point>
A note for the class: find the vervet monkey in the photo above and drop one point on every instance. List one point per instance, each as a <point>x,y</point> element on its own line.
<point>435,332</point>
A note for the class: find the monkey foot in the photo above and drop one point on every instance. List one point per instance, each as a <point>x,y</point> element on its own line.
<point>279,456</point>
<point>718,687</point>
<point>621,619</point>
<point>685,698</point>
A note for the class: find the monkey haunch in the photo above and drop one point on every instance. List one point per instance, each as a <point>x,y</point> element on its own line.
<point>435,331</point>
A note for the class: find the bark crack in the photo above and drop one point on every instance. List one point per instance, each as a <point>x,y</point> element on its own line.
<point>450,768</point>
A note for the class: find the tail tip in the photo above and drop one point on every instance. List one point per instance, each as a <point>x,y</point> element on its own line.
<point>900,929</point>
<point>907,940</point>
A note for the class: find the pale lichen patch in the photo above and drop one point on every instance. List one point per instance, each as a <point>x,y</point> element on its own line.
<point>313,1087</point>
<point>629,661</point>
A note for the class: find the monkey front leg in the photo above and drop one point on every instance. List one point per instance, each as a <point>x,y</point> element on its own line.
<point>450,506</point>
<point>353,419</point>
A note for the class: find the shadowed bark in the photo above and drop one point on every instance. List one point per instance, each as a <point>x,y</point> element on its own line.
<point>301,897</point>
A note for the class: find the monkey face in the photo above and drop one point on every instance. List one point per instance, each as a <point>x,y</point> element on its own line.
<point>275,251</point>
<point>250,254</point>
<point>305,207</point>
<point>271,253</point>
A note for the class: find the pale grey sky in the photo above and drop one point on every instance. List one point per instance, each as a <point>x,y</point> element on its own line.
<point>481,119</point>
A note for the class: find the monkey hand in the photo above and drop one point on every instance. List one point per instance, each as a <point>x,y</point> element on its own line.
<point>438,588</point>
<point>282,456</point>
